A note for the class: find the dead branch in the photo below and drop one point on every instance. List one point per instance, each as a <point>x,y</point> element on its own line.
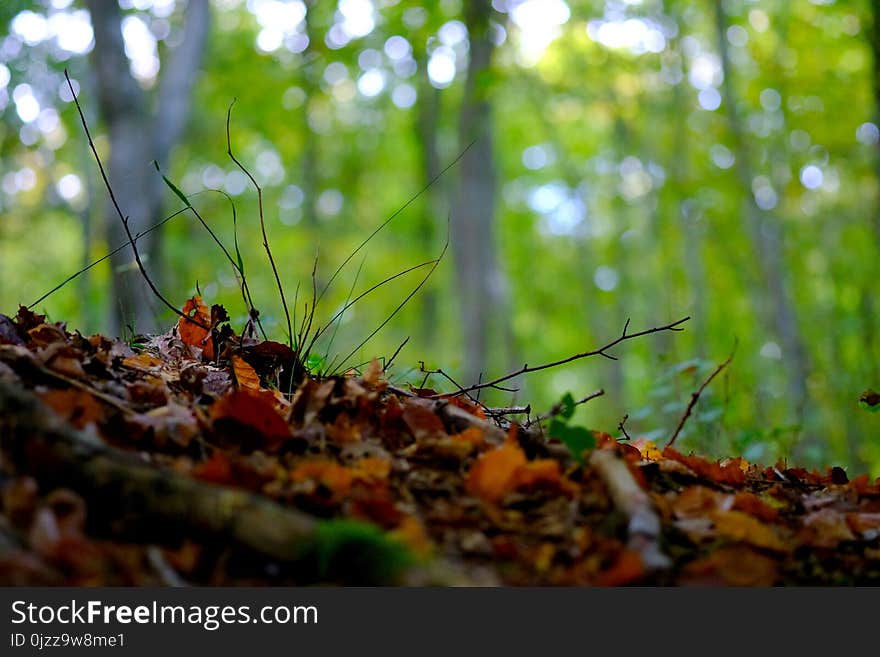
<point>124,219</point>
<point>601,351</point>
<point>622,427</point>
<point>696,395</point>
<point>644,523</point>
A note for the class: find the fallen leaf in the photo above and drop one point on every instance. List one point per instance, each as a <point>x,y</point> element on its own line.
<point>216,469</point>
<point>76,406</point>
<point>143,361</point>
<point>494,473</point>
<point>504,469</point>
<point>628,568</point>
<point>245,375</point>
<point>739,526</point>
<point>191,333</point>
<point>732,565</point>
<point>336,478</point>
<point>250,420</point>
<point>825,528</point>
<point>421,420</point>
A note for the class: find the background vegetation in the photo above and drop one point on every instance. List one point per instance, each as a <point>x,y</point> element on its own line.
<point>635,159</point>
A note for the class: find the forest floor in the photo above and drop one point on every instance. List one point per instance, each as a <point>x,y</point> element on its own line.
<point>180,462</point>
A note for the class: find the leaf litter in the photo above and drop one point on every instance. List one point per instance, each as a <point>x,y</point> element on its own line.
<point>380,485</point>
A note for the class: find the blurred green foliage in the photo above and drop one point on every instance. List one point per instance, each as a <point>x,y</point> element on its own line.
<point>618,193</point>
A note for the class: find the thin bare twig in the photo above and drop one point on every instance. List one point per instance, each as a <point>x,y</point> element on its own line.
<point>104,257</point>
<point>622,427</point>
<point>559,407</point>
<point>403,207</point>
<point>405,300</point>
<point>262,226</point>
<point>123,218</point>
<point>601,351</point>
<point>696,395</point>
<point>388,362</point>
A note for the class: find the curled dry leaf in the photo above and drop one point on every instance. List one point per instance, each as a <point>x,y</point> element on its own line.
<point>246,376</point>
<point>191,333</point>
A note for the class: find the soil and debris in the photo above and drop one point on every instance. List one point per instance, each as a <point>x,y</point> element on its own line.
<point>192,460</point>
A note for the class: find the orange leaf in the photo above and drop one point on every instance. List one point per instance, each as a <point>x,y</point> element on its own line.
<point>77,406</point>
<point>731,472</point>
<point>330,474</point>
<point>504,469</point>
<point>732,565</point>
<point>245,376</point>
<point>191,333</point>
<point>373,467</point>
<point>472,435</point>
<point>752,505</point>
<point>628,568</point>
<point>216,469</point>
<point>738,526</point>
<point>494,473</point>
<point>143,361</point>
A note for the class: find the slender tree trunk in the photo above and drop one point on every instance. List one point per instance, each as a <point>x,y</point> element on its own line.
<point>434,206</point>
<point>688,214</point>
<point>774,299</point>
<point>869,323</point>
<point>482,287</point>
<point>137,137</point>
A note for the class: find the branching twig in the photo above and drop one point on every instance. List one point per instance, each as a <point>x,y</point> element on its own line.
<point>123,218</point>
<point>621,426</point>
<point>559,407</point>
<point>696,395</point>
<point>601,351</point>
<point>388,362</point>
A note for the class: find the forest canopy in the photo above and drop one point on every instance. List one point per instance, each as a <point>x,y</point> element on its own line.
<point>635,160</point>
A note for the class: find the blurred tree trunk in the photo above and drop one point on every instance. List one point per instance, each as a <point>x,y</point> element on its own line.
<point>434,207</point>
<point>482,288</point>
<point>137,137</point>
<point>311,87</point>
<point>774,301</point>
<point>689,214</point>
<point>868,307</point>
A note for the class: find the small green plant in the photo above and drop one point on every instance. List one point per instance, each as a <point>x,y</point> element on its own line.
<point>577,439</point>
